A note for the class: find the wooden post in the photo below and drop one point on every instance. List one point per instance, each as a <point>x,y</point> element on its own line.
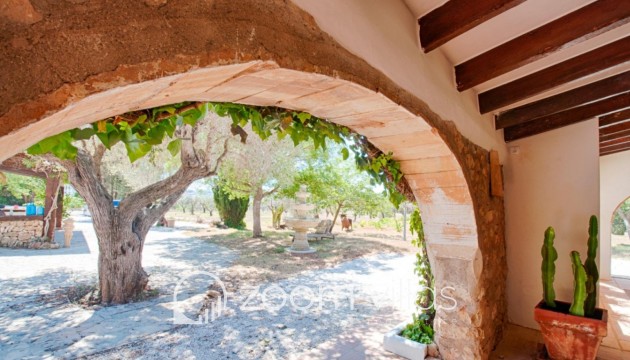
<point>59,212</point>
<point>52,183</point>
<point>496,175</point>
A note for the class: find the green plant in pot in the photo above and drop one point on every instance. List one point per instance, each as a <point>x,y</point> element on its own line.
<point>571,330</point>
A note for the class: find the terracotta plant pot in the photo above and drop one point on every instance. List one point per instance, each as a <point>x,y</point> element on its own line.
<point>570,337</point>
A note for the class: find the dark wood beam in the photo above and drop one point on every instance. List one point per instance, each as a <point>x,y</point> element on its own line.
<point>588,63</point>
<point>22,171</point>
<point>456,17</point>
<point>614,141</point>
<point>609,130</point>
<point>614,118</point>
<point>582,24</point>
<point>52,184</point>
<point>614,149</point>
<point>622,133</point>
<point>567,117</point>
<point>584,94</point>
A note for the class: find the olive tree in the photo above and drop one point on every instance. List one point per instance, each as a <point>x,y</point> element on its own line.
<point>257,169</point>
<point>121,231</point>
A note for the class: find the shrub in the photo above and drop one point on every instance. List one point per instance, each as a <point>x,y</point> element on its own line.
<point>232,210</point>
<point>419,330</point>
<point>618,226</point>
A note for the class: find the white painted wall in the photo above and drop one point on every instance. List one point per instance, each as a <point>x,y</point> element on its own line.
<point>615,188</point>
<point>385,34</point>
<point>554,181</point>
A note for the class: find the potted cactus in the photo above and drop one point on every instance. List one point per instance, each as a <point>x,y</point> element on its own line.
<point>571,330</point>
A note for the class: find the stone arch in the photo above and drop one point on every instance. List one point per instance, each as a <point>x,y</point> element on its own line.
<point>271,54</point>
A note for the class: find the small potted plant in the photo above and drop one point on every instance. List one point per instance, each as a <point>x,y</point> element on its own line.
<point>571,330</point>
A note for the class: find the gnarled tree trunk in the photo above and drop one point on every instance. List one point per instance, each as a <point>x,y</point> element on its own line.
<point>121,231</point>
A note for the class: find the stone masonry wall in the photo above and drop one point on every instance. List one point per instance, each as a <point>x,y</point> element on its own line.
<point>23,234</point>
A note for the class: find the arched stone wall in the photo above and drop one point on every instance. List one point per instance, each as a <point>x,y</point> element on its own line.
<point>74,67</point>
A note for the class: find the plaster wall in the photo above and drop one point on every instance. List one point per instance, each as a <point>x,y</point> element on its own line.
<point>615,188</point>
<point>385,34</point>
<point>553,181</point>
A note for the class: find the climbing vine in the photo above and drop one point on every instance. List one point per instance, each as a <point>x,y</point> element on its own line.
<point>421,328</point>
<point>141,130</point>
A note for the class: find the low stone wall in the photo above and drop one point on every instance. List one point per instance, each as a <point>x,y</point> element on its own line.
<point>24,232</point>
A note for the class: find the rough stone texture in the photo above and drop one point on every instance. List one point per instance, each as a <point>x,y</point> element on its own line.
<point>155,3</point>
<point>180,36</point>
<point>19,12</point>
<point>24,234</point>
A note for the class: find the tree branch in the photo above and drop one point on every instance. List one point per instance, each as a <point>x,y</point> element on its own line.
<point>221,156</point>
<point>267,193</point>
<point>97,158</point>
<point>154,213</point>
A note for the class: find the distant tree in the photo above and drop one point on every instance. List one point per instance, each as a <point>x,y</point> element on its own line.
<point>121,232</point>
<point>277,205</point>
<point>258,169</point>
<point>22,189</point>
<point>336,184</point>
<point>232,209</point>
<point>621,219</point>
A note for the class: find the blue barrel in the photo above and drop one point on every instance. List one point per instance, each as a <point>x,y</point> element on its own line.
<point>39,210</point>
<point>116,203</point>
<point>31,209</point>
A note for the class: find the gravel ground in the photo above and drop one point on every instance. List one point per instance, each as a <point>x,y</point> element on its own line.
<point>268,322</point>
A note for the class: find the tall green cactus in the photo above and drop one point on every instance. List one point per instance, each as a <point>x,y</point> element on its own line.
<point>579,285</point>
<point>592,275</point>
<point>549,255</point>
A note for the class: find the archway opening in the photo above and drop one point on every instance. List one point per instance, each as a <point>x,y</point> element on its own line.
<point>620,240</point>
<point>430,167</point>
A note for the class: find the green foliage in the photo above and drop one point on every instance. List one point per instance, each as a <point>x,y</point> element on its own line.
<point>303,127</point>
<point>591,268</point>
<point>232,210</point>
<point>621,218</point>
<point>579,285</point>
<point>72,202</point>
<point>140,131</point>
<point>419,330</point>
<point>618,226</point>
<point>548,268</point>
<point>20,189</point>
<point>426,296</point>
<point>336,184</point>
<point>276,215</point>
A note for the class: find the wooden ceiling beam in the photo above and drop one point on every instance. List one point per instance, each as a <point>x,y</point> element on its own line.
<point>612,129</point>
<point>582,65</point>
<point>22,171</point>
<point>622,133</point>
<point>567,117</point>
<point>614,141</point>
<point>456,17</point>
<point>614,149</point>
<point>616,117</point>
<point>580,25</point>
<point>582,95</point>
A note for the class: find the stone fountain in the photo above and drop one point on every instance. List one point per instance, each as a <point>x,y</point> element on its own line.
<point>301,222</point>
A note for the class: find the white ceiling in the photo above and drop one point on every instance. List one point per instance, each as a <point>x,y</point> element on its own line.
<point>520,19</point>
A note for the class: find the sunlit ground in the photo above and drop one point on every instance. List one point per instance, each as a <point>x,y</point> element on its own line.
<point>620,262</point>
